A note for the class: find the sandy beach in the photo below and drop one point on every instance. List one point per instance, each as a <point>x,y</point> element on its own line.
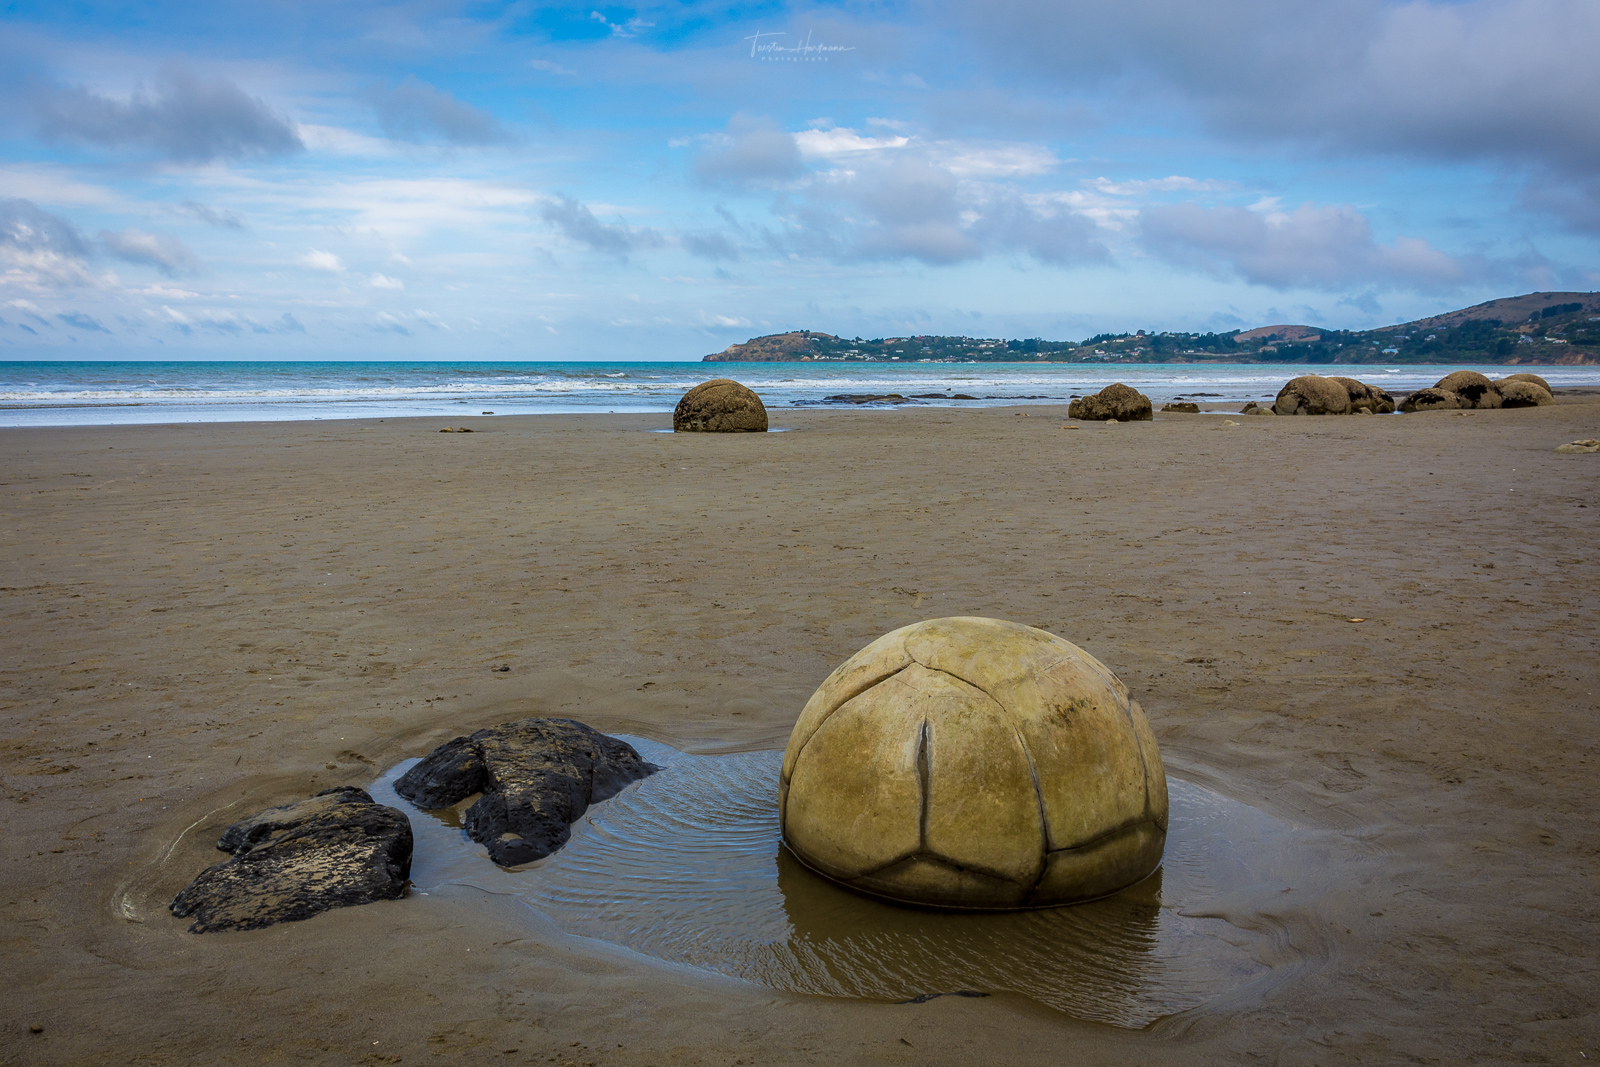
<point>201,621</point>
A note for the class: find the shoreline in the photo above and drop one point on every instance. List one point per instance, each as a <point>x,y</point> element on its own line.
<point>205,619</point>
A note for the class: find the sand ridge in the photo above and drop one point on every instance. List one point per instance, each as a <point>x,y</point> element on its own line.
<point>204,620</point>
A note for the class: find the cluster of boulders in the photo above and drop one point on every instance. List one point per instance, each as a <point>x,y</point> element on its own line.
<point>340,848</point>
<point>1469,389</point>
<point>1313,394</point>
<point>1114,403</point>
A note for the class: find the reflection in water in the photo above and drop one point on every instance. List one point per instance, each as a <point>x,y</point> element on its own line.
<point>687,866</point>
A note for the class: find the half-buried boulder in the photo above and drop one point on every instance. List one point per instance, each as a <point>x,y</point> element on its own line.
<point>1471,389</point>
<point>1115,402</point>
<point>1312,394</point>
<point>1526,377</point>
<point>1430,400</point>
<point>332,850</point>
<point>1180,407</point>
<point>1522,394</point>
<point>1366,398</point>
<point>721,405</point>
<point>537,777</point>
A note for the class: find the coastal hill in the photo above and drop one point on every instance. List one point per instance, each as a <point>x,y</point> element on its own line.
<point>1535,328</point>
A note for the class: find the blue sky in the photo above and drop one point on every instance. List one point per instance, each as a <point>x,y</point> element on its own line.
<point>435,180</point>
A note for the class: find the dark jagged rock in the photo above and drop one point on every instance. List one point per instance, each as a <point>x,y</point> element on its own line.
<point>721,405</point>
<point>333,850</point>
<point>1181,407</point>
<point>537,777</point>
<point>1120,402</point>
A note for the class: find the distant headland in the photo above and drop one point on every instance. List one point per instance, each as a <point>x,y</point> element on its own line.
<point>1537,328</point>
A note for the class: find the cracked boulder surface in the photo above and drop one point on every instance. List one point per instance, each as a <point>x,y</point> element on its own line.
<point>1471,389</point>
<point>536,776</point>
<point>721,405</point>
<point>1312,394</point>
<point>1116,401</point>
<point>1364,398</point>
<point>333,850</point>
<point>978,764</point>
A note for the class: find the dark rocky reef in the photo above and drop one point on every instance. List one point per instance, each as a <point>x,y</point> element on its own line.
<point>721,405</point>
<point>537,777</point>
<point>333,850</point>
<point>1120,402</point>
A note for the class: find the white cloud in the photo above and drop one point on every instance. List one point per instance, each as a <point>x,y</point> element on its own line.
<point>841,143</point>
<point>1321,247</point>
<point>383,281</point>
<point>318,260</point>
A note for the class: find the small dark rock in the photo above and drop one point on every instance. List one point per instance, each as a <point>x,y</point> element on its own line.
<point>1181,407</point>
<point>537,777</point>
<point>334,850</point>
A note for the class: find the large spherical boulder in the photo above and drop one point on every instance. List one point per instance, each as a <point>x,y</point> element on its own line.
<point>974,763</point>
<point>1525,377</point>
<point>1429,400</point>
<point>1364,397</point>
<point>1312,394</point>
<point>1118,401</point>
<point>1522,394</point>
<point>1471,389</point>
<point>721,405</point>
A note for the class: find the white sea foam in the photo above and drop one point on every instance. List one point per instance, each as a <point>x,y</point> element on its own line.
<point>91,393</point>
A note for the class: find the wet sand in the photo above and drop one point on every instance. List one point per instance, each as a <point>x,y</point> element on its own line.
<point>203,620</point>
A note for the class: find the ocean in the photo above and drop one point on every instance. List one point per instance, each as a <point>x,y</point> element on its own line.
<point>121,393</point>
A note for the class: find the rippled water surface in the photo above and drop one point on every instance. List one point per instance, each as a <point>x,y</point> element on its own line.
<point>686,866</point>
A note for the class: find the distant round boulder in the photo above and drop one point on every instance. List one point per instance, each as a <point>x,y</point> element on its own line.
<point>1180,407</point>
<point>721,405</point>
<point>1430,400</point>
<point>1366,398</point>
<point>1115,402</point>
<point>1525,377</point>
<point>1471,389</point>
<point>1523,394</point>
<point>974,763</point>
<point>1312,394</point>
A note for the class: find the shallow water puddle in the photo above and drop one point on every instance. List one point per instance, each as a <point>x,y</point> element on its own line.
<point>686,866</point>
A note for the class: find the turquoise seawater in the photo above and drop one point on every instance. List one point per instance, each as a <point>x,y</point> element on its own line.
<point>106,393</point>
